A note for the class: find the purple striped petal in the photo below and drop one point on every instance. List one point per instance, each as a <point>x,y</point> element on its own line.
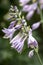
<point>18,43</point>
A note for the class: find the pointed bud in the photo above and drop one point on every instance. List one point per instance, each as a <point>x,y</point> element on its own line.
<point>29,15</point>
<point>35,25</point>
<point>23,2</point>
<point>31,53</point>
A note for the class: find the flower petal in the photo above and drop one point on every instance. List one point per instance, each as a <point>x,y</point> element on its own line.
<point>8,32</point>
<point>32,42</point>
<point>12,24</point>
<point>18,44</point>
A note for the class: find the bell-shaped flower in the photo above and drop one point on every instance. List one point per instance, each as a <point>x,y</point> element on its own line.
<point>9,32</point>
<point>18,42</point>
<point>32,42</point>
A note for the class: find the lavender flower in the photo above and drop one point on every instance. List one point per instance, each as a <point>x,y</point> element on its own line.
<point>18,42</point>
<point>32,41</point>
<point>35,25</point>
<point>31,53</point>
<point>9,32</point>
<point>25,32</point>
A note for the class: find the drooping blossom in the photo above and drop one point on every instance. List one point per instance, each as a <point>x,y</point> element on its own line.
<point>32,42</point>
<point>10,31</point>
<point>18,42</point>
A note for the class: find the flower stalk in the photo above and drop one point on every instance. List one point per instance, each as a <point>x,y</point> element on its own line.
<point>38,57</point>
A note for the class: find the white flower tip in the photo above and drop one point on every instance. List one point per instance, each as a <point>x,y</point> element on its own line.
<point>31,53</point>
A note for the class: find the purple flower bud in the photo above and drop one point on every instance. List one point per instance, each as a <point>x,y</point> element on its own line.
<point>35,25</point>
<point>28,8</point>
<point>18,26</point>
<point>16,9</point>
<point>12,24</point>
<point>29,15</point>
<point>31,53</point>
<point>23,2</point>
<point>30,32</point>
<point>25,8</point>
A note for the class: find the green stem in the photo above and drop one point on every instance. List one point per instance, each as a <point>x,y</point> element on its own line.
<point>38,57</point>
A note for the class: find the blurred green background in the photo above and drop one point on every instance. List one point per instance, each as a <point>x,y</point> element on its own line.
<point>9,56</point>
